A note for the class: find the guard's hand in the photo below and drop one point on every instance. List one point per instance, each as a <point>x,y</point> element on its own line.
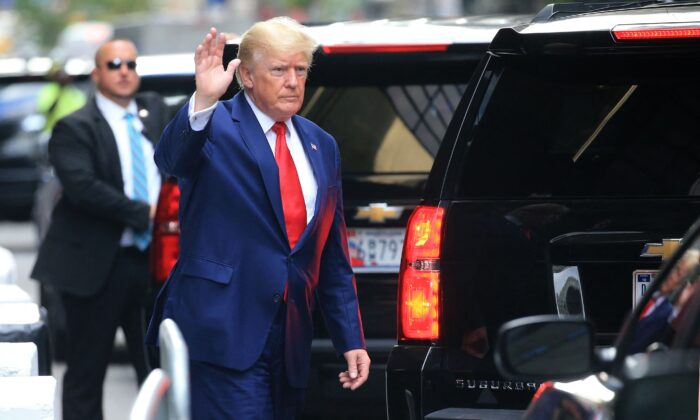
<point>358,369</point>
<point>210,77</point>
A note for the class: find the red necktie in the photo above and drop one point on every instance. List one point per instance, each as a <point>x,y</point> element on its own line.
<point>292,197</point>
<point>648,308</point>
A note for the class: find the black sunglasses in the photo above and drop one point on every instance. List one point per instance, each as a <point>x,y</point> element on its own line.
<point>116,63</point>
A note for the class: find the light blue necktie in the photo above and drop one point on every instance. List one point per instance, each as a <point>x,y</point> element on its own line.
<point>138,169</point>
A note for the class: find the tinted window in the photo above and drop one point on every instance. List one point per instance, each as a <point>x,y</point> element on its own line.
<point>384,129</point>
<point>611,127</point>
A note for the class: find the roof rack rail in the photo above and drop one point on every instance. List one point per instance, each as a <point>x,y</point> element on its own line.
<point>561,10</point>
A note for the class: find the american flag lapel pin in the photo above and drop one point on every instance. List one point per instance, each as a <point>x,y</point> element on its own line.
<point>313,146</point>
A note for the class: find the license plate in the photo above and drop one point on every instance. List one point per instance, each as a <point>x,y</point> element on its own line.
<point>375,250</point>
<point>641,280</point>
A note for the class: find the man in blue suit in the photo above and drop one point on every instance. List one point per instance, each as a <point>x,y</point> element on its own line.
<point>263,235</point>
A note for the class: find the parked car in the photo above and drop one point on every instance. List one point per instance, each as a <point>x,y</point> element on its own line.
<point>650,373</point>
<point>386,91</point>
<point>567,173</point>
<point>20,128</point>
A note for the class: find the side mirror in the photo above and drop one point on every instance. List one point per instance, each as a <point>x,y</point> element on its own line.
<point>545,347</point>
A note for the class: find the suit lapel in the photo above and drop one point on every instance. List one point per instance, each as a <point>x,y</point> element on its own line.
<point>256,141</point>
<point>314,157</point>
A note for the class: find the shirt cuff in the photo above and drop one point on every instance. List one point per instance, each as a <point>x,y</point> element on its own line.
<point>199,119</point>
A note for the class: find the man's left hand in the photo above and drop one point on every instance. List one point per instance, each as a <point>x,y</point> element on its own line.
<point>358,369</point>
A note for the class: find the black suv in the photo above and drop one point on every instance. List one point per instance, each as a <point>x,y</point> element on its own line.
<point>568,172</point>
<point>386,91</point>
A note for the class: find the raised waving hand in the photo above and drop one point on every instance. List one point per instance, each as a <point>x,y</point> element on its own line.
<point>210,77</point>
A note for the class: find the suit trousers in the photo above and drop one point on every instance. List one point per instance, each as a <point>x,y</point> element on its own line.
<point>91,324</point>
<point>260,392</point>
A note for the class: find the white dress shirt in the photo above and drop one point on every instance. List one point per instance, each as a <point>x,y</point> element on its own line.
<point>309,187</point>
<point>114,114</point>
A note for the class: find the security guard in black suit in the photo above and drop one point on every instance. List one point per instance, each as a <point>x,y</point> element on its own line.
<point>95,251</point>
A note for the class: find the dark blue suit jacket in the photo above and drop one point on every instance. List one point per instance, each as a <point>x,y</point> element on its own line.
<point>235,258</point>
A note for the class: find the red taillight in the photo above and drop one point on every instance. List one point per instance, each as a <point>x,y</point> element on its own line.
<point>645,32</point>
<point>165,247</point>
<point>383,48</point>
<point>419,280</point>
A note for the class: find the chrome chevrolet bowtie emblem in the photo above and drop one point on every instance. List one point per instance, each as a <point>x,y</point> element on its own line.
<point>378,213</point>
<point>663,250</point>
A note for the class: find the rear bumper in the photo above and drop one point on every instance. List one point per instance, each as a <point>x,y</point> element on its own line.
<point>424,382</point>
<point>325,396</point>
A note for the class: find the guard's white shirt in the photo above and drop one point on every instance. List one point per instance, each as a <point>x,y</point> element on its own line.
<point>114,114</point>
<point>309,186</point>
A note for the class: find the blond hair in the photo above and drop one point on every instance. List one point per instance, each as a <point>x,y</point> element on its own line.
<point>273,36</point>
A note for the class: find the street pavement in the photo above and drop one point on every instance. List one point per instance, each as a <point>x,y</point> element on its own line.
<point>120,384</point>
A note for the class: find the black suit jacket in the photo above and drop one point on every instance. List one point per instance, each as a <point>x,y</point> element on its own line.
<point>89,219</point>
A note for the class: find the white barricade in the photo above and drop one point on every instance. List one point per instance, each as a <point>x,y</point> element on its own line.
<point>11,293</point>
<point>18,359</point>
<point>28,398</point>
<point>19,313</point>
<point>25,323</point>
<point>8,267</point>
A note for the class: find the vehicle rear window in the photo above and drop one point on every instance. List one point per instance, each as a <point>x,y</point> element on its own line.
<point>394,129</point>
<point>612,127</point>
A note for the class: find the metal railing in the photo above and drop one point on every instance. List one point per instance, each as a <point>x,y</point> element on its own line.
<point>165,395</point>
<point>148,401</point>
<point>174,360</point>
